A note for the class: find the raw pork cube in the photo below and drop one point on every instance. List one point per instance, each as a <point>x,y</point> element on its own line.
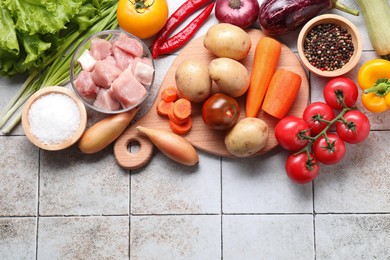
<point>123,59</point>
<point>129,45</point>
<point>100,48</point>
<point>105,73</point>
<point>111,59</point>
<point>106,100</point>
<point>86,61</point>
<point>85,85</point>
<point>128,90</point>
<point>143,72</point>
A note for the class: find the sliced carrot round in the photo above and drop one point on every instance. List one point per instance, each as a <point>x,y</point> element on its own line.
<point>163,107</point>
<point>169,94</point>
<point>182,108</point>
<point>182,128</point>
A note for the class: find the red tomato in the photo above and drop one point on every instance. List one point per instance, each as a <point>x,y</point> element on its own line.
<point>356,128</point>
<point>302,169</point>
<point>329,152</point>
<point>315,113</point>
<point>340,86</point>
<point>220,111</point>
<point>290,132</point>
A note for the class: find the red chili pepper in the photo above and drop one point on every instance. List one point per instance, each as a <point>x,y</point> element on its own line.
<point>182,37</point>
<point>185,10</point>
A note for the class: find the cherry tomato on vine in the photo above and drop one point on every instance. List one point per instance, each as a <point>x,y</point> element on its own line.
<point>340,86</point>
<point>302,169</point>
<point>290,132</point>
<point>142,18</point>
<point>220,111</point>
<point>315,113</point>
<point>329,150</point>
<point>356,127</point>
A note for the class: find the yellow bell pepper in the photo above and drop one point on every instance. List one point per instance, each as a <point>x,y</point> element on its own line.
<point>374,80</point>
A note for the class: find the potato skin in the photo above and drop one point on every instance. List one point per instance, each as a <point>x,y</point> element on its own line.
<point>230,76</point>
<point>193,81</point>
<point>227,40</point>
<point>247,137</point>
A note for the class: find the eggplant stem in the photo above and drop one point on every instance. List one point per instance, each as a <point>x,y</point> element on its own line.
<point>342,7</point>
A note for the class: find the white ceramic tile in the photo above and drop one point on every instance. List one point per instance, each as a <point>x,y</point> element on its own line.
<point>167,187</point>
<point>360,182</point>
<point>268,237</point>
<point>352,236</point>
<point>19,177</point>
<point>17,238</point>
<point>73,183</point>
<point>260,185</point>
<point>175,237</point>
<point>83,238</point>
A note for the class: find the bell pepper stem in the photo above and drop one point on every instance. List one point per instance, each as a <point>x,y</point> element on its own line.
<point>381,88</point>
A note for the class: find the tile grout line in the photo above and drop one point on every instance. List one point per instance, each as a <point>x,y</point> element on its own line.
<point>221,200</point>
<point>38,200</point>
<point>314,223</point>
<point>129,234</point>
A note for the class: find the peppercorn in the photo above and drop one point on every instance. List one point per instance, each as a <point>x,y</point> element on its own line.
<point>328,46</point>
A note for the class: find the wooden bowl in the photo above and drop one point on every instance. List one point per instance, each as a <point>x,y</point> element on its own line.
<point>344,23</point>
<point>68,142</point>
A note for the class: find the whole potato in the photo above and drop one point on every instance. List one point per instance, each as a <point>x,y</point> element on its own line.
<point>230,76</point>
<point>247,137</point>
<point>193,81</point>
<point>227,40</point>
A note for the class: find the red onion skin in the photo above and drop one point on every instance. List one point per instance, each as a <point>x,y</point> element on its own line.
<point>243,17</point>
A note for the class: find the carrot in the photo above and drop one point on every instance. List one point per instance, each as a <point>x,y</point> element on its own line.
<point>163,107</point>
<point>173,117</point>
<point>182,109</point>
<point>282,91</point>
<point>182,128</point>
<point>169,94</point>
<point>265,61</point>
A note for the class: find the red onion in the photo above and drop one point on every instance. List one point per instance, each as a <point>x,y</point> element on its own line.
<point>242,13</point>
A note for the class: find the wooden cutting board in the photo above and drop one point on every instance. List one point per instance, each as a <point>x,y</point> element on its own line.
<point>203,138</point>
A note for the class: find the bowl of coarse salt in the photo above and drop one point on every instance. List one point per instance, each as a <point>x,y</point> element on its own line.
<point>54,118</point>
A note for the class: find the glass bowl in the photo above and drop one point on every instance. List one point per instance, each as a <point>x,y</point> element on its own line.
<point>103,69</point>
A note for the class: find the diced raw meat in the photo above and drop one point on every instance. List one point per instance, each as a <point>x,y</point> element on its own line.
<point>106,101</point>
<point>129,45</point>
<point>105,73</point>
<point>86,61</point>
<point>111,59</point>
<point>143,72</point>
<point>128,90</point>
<point>85,85</point>
<point>100,48</point>
<point>123,59</point>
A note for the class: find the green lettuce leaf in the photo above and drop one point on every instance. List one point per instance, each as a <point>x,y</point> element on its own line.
<point>36,17</point>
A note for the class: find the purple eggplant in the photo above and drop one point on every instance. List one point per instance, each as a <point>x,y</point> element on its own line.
<point>278,17</point>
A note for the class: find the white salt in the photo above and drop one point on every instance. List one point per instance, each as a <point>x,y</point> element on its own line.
<point>54,118</point>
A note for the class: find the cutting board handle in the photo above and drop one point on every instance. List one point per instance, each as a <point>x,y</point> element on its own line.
<point>132,160</point>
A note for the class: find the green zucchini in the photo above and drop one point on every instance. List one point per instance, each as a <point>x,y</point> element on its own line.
<point>376,15</point>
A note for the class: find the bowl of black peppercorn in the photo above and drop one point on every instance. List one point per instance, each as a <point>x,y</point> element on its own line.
<point>329,45</point>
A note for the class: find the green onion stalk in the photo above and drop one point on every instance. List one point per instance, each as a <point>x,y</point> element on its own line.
<point>57,69</point>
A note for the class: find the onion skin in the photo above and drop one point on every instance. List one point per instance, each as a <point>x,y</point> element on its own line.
<point>172,145</point>
<point>242,13</point>
<point>104,132</point>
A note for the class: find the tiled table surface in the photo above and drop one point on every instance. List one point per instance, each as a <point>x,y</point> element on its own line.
<point>67,205</point>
